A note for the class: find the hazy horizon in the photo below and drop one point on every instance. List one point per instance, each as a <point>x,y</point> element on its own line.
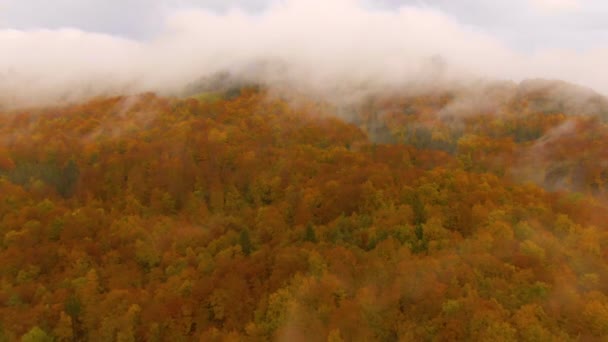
<point>75,50</point>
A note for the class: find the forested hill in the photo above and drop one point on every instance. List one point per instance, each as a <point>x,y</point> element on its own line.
<point>241,216</point>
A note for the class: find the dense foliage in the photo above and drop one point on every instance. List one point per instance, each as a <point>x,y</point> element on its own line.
<point>245,217</point>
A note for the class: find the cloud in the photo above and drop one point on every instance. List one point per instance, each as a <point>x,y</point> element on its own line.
<point>332,47</point>
<point>557,5</point>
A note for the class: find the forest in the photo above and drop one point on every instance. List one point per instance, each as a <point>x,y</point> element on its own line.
<point>243,215</point>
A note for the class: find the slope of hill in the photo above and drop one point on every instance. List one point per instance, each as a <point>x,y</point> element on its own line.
<point>242,216</point>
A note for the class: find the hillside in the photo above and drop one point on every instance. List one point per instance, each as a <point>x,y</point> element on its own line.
<point>236,215</point>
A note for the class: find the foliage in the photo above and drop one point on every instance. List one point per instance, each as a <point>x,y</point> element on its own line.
<point>245,217</point>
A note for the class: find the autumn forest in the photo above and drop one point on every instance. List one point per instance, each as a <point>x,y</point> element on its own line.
<point>247,215</point>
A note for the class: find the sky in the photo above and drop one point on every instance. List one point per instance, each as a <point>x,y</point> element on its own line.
<point>528,25</point>
<point>103,46</point>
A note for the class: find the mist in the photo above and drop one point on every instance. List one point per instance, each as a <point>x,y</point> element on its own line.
<point>340,49</point>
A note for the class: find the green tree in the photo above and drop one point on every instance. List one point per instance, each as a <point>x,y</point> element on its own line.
<point>73,307</point>
<point>36,335</point>
<point>66,184</point>
<point>245,242</point>
<point>310,234</point>
<point>419,210</point>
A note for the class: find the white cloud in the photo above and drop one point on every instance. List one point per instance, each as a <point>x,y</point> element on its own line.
<point>323,45</point>
<point>557,5</point>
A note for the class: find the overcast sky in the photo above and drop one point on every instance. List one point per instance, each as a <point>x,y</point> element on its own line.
<point>528,25</point>
<point>50,50</point>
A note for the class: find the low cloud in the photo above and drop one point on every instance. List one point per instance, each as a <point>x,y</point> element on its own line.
<point>557,5</point>
<point>334,48</point>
